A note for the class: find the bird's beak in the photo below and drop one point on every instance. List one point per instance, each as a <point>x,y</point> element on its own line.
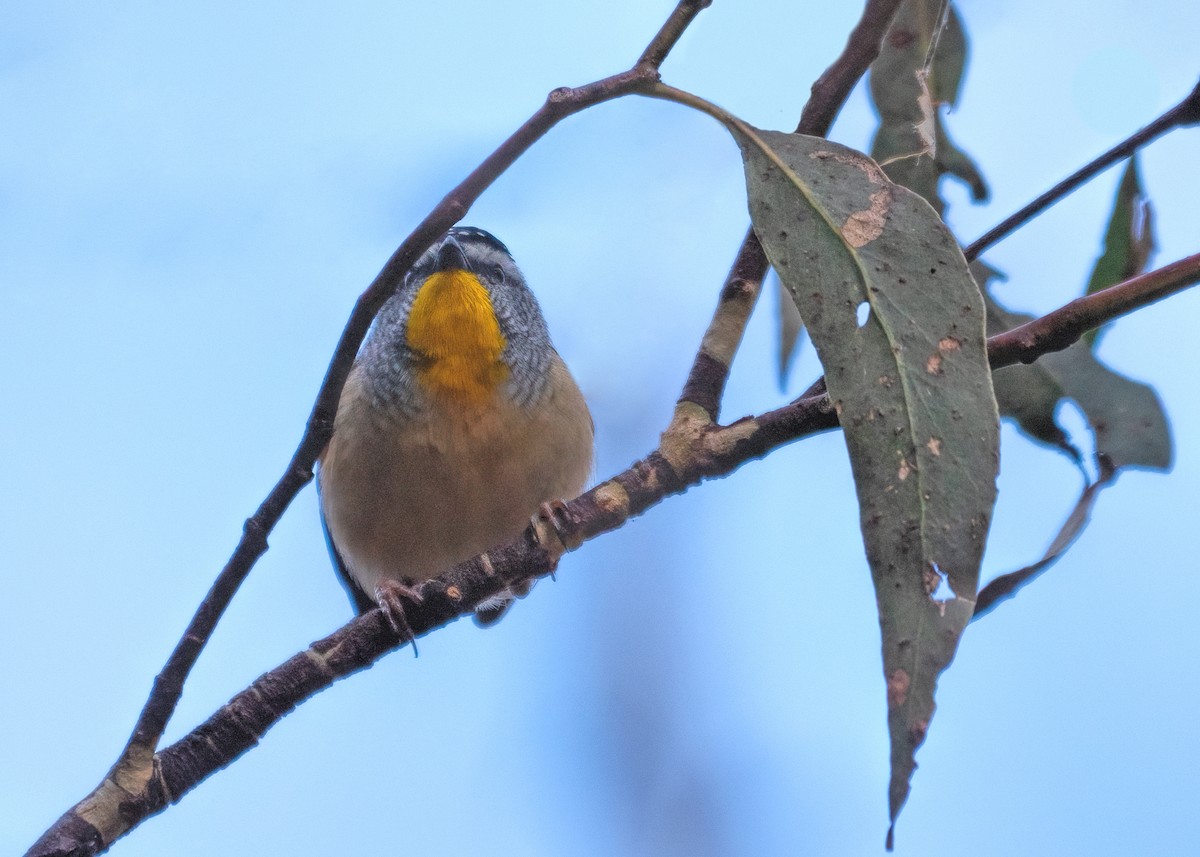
<point>450,256</point>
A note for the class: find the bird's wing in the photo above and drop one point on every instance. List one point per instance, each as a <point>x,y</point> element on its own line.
<point>361,601</point>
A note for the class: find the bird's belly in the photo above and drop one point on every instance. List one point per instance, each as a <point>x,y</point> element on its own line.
<point>408,500</point>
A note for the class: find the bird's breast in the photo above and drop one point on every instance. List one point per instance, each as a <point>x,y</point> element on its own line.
<point>454,331</point>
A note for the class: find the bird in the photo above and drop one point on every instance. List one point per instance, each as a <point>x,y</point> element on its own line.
<point>457,422</point>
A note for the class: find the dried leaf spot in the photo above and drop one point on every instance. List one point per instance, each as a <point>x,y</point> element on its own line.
<point>905,469</point>
<point>934,364</point>
<point>884,381</point>
<point>934,445</point>
<point>897,688</point>
<point>949,343</point>
<point>863,227</point>
<point>916,732</point>
<point>872,169</point>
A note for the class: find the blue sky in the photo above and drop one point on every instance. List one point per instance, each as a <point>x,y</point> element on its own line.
<point>191,197</point>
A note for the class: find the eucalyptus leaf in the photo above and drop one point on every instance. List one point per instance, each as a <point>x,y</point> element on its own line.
<point>1126,416</point>
<point>1028,394</point>
<point>898,324</point>
<point>1127,421</point>
<point>1128,240</point>
<point>907,96</point>
<point>1005,586</point>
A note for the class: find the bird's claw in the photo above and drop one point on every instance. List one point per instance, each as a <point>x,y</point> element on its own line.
<point>556,514</point>
<point>390,595</point>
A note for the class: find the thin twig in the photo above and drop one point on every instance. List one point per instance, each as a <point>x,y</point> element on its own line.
<point>674,27</point>
<point>1186,112</point>
<point>560,104</point>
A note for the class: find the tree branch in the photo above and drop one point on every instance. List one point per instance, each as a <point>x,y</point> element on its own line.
<point>1064,326</point>
<point>142,783</point>
<point>670,32</point>
<point>560,104</point>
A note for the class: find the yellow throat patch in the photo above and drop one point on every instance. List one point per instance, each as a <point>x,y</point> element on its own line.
<point>453,325</point>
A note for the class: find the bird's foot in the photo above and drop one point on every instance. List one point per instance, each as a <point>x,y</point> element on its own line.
<point>558,516</point>
<point>390,595</point>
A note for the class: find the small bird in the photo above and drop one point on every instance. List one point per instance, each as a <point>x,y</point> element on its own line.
<point>457,422</point>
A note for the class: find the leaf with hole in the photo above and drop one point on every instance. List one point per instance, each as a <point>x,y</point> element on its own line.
<point>898,325</point>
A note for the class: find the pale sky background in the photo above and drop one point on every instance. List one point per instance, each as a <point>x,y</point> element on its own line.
<point>191,197</point>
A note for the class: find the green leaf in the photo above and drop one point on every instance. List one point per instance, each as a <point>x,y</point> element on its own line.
<point>1025,393</point>
<point>1126,416</point>
<point>950,58</point>
<point>906,94</point>
<point>1128,241</point>
<point>912,387</point>
<point>1005,586</point>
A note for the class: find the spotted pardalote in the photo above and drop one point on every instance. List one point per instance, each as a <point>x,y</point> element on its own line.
<point>458,420</point>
